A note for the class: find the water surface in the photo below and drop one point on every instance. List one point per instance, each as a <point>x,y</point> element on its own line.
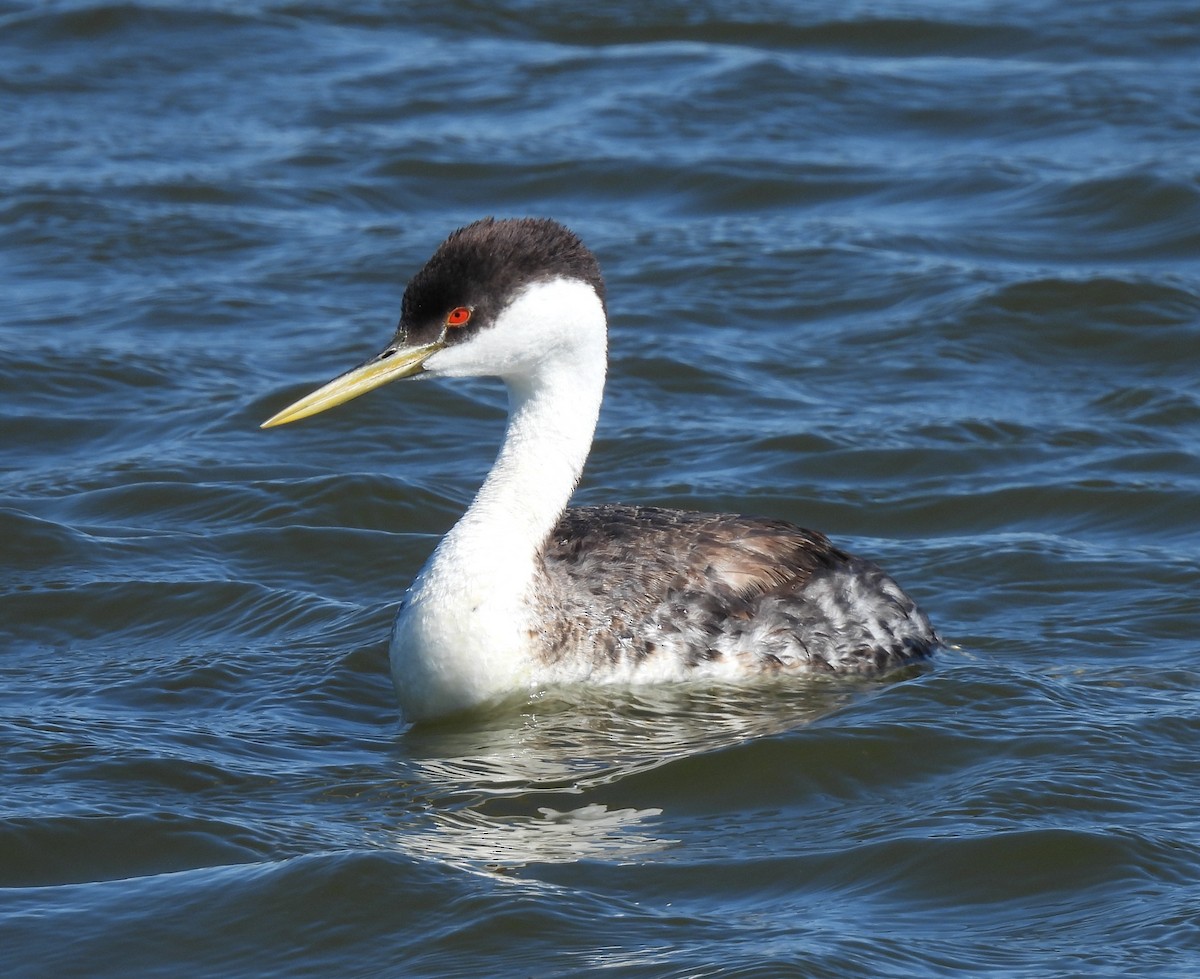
<point>923,276</point>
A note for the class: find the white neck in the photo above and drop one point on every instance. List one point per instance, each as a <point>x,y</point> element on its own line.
<point>465,635</point>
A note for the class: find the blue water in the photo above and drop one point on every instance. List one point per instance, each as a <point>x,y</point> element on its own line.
<point>921,275</point>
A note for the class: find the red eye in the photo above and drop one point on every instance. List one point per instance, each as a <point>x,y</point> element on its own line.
<point>459,316</point>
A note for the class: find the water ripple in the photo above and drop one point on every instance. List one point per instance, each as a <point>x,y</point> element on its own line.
<point>922,277</point>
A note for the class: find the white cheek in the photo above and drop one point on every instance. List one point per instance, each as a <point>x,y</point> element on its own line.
<point>544,318</point>
<point>480,356</point>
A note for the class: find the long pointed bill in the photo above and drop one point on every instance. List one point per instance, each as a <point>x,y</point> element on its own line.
<point>391,365</point>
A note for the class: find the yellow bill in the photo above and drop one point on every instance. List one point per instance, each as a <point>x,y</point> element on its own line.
<point>391,365</point>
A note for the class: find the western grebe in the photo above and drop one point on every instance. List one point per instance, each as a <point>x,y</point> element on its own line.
<point>524,592</point>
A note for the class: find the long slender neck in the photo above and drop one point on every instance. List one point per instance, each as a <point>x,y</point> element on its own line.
<point>467,632</point>
<point>552,418</point>
<point>550,347</point>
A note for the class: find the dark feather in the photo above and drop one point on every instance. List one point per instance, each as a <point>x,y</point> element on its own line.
<point>636,582</point>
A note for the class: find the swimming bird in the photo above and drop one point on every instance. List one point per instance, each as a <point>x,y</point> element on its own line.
<point>524,592</point>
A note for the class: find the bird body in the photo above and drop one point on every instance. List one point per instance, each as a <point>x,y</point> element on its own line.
<point>524,592</point>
